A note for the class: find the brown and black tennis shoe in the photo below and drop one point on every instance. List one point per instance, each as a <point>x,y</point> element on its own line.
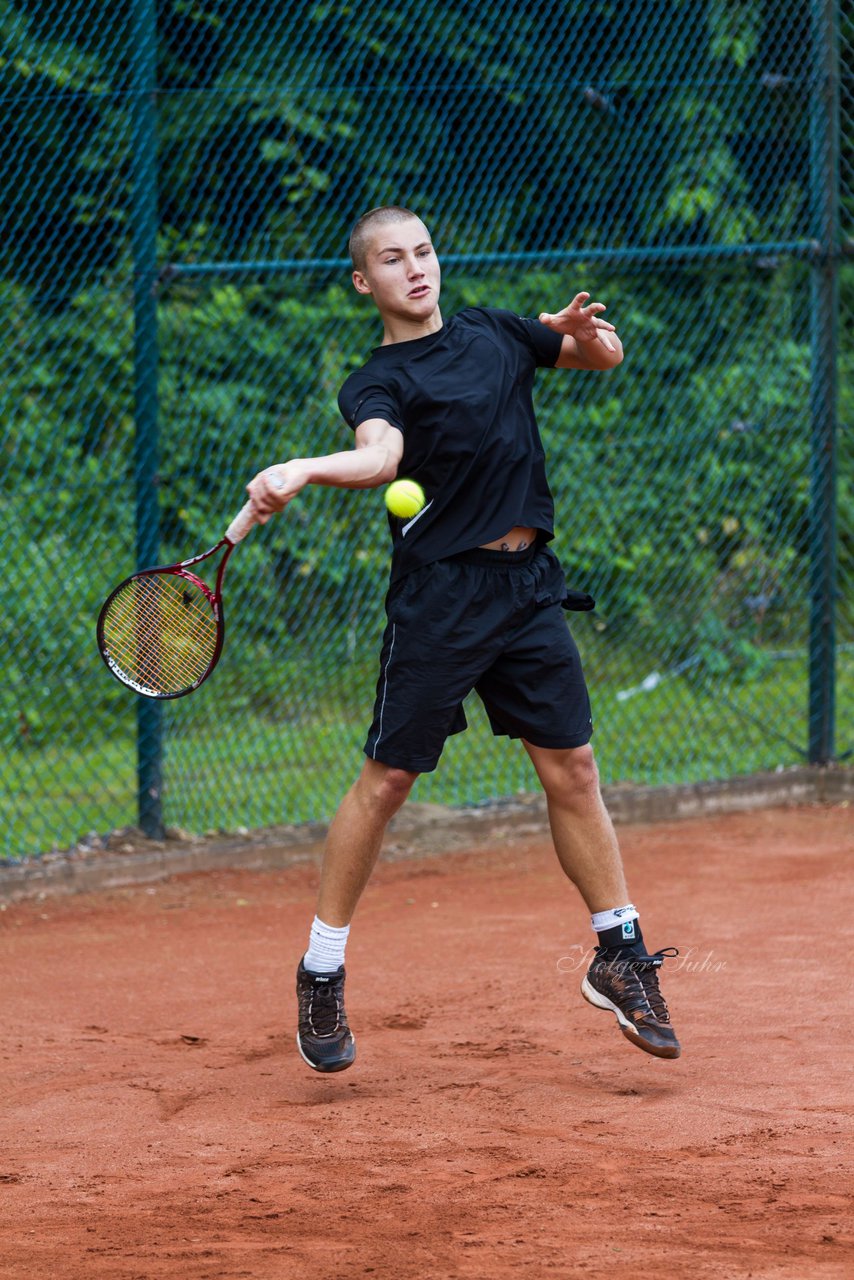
<point>627,984</point>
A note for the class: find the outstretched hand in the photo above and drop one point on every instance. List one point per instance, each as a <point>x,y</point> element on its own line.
<point>581,322</point>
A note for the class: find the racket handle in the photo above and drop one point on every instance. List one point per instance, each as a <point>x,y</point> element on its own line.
<point>240,525</point>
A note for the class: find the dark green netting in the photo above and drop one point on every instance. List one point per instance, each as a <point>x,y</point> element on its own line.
<point>690,162</point>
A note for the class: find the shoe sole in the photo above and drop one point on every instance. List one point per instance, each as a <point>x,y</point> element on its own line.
<point>327,1068</point>
<point>594,997</point>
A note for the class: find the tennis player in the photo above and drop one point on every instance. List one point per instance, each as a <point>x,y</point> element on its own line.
<point>476,600</point>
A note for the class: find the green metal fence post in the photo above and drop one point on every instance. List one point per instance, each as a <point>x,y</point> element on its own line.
<point>824,182</point>
<point>144,241</point>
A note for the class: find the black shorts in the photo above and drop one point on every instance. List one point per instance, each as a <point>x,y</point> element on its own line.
<point>492,621</point>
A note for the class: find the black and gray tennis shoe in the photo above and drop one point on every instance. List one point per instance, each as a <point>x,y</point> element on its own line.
<point>324,1038</point>
<point>627,984</point>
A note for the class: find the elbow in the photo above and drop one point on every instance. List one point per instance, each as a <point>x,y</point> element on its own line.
<point>378,465</point>
<point>388,469</point>
<point>613,359</point>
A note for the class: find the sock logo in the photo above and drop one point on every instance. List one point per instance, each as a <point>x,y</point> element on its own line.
<point>629,930</point>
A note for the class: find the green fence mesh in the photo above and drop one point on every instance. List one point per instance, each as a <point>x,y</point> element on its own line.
<point>178,183</point>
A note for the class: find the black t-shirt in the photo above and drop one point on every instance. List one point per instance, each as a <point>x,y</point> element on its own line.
<point>463,399</point>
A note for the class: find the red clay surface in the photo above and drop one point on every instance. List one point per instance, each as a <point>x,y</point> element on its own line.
<point>158,1122</point>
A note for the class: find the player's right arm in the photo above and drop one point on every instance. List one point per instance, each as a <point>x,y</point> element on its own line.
<point>374,461</point>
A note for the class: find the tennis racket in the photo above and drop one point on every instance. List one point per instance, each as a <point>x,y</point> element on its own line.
<point>161,631</point>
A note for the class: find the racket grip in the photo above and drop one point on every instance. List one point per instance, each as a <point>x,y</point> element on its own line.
<point>240,525</point>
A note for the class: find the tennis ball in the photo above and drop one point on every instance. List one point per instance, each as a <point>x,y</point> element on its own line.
<point>404,498</point>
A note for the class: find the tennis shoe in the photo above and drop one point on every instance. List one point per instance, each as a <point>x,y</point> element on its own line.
<point>324,1038</point>
<point>627,984</point>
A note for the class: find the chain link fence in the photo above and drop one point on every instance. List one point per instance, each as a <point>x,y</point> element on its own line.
<point>178,186</point>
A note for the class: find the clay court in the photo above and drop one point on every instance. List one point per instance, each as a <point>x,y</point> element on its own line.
<point>158,1122</point>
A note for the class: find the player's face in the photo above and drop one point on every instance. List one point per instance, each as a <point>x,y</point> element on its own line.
<point>402,271</point>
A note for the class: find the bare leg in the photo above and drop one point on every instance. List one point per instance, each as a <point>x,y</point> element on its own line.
<point>583,833</point>
<point>355,836</point>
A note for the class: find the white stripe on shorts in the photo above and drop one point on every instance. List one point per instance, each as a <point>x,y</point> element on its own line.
<point>385,690</point>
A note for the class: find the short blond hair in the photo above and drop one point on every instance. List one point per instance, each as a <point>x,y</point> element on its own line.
<point>359,236</point>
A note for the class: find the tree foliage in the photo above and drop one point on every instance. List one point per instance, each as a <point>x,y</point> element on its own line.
<point>684,476</point>
<point>278,124</point>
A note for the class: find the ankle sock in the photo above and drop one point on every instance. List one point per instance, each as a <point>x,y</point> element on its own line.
<point>619,928</point>
<point>326,946</point>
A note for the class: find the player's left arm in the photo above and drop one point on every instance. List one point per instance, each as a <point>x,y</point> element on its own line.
<point>589,342</point>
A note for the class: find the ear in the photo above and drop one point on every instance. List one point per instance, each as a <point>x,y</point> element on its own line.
<point>360,284</point>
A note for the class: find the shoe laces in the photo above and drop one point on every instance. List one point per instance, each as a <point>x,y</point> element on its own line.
<point>324,1010</point>
<point>639,975</point>
<point>648,974</point>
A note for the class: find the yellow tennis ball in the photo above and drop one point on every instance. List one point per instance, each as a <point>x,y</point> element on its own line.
<point>404,498</point>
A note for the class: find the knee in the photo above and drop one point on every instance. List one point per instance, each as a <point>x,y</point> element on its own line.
<point>385,788</point>
<point>574,781</point>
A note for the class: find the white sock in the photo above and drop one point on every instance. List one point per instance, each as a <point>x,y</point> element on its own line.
<point>616,916</point>
<point>325,947</point>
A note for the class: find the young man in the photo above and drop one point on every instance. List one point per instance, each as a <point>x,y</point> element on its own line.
<point>475,601</point>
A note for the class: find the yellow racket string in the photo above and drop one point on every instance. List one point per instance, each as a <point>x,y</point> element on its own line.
<point>160,630</point>
<point>164,634</point>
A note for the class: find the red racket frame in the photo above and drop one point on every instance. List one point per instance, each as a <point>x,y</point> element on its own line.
<point>236,531</point>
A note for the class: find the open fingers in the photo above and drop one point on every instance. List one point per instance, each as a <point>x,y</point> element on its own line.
<point>575,309</point>
<point>581,302</point>
<point>574,306</point>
